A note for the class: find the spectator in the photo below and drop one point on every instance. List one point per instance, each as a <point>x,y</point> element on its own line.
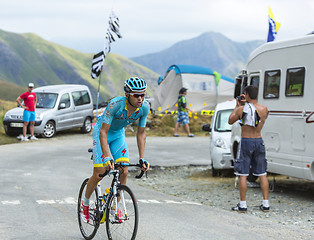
<point>251,150</point>
<point>182,115</point>
<point>29,106</point>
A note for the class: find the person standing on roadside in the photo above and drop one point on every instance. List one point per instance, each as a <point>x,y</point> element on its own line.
<point>182,115</point>
<point>29,106</point>
<point>251,151</point>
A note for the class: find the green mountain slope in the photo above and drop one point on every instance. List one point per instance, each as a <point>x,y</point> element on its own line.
<point>210,49</point>
<point>28,58</point>
<point>10,91</point>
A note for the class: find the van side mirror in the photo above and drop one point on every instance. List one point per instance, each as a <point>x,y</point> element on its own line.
<point>206,128</point>
<point>61,106</point>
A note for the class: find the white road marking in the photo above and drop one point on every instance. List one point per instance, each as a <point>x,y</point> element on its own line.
<point>14,202</point>
<point>46,201</point>
<point>153,201</point>
<point>73,201</point>
<point>192,203</point>
<point>171,201</point>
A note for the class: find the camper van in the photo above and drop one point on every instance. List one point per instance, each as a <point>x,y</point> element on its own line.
<point>283,71</point>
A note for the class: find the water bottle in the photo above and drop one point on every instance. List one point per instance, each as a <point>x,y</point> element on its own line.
<point>106,194</point>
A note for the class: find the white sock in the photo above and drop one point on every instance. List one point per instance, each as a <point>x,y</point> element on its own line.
<point>243,204</point>
<point>265,203</point>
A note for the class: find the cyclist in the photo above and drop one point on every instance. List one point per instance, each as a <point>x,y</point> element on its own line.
<point>109,134</point>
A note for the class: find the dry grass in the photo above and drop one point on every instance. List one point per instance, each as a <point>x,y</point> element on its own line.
<point>163,125</point>
<point>4,107</point>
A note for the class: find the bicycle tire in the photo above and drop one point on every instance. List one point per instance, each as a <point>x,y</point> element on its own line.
<point>128,228</point>
<point>88,230</point>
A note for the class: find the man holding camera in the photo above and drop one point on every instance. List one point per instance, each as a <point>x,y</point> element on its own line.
<point>251,152</point>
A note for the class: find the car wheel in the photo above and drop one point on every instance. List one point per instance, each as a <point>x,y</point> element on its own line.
<point>215,172</point>
<point>87,126</point>
<point>49,129</point>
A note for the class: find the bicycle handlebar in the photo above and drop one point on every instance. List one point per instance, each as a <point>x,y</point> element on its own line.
<point>117,165</point>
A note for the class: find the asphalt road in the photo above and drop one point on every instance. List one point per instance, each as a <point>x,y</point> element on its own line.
<point>39,184</point>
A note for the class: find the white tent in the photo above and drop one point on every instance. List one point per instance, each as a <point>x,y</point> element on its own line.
<point>205,88</point>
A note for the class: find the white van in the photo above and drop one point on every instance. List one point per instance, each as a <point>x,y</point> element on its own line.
<point>283,71</point>
<point>220,134</point>
<point>59,107</point>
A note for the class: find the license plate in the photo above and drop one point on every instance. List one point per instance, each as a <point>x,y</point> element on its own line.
<point>16,124</point>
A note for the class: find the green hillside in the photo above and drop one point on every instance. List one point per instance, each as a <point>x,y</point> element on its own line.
<point>10,91</point>
<point>28,58</point>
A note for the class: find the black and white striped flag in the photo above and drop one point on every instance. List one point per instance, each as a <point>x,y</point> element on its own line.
<point>114,24</point>
<point>97,64</point>
<point>99,58</point>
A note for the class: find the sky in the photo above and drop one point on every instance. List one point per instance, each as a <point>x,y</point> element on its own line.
<point>149,26</point>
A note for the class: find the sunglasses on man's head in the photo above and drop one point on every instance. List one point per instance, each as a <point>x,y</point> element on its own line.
<point>137,95</point>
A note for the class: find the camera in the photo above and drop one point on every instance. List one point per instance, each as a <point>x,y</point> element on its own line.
<point>240,98</point>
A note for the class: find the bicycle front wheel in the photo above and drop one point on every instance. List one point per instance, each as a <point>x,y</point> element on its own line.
<point>122,223</point>
<point>88,229</point>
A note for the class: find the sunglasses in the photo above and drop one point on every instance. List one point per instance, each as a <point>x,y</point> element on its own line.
<point>137,95</point>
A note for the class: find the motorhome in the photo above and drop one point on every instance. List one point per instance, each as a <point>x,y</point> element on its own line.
<point>283,71</point>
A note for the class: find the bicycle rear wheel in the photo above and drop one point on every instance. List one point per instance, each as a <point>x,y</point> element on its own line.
<point>123,225</point>
<point>89,229</point>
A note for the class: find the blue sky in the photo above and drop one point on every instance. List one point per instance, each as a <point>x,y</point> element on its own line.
<point>150,26</point>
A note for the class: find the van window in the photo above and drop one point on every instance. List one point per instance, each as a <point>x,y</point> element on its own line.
<point>80,98</point>
<point>221,124</point>
<point>272,84</point>
<point>255,81</point>
<point>295,81</point>
<point>65,98</point>
<point>46,100</point>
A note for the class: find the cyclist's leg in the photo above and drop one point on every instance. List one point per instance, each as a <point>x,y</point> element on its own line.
<point>99,167</point>
<point>120,152</point>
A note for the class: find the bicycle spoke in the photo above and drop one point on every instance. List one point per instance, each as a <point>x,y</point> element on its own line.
<point>88,229</point>
<point>122,222</point>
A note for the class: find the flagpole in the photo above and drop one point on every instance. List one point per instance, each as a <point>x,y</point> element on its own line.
<point>98,95</point>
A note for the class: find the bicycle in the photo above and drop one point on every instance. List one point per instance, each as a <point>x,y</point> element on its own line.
<point>117,207</point>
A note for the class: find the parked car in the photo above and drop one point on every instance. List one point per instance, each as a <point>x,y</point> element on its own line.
<point>59,107</point>
<point>220,134</point>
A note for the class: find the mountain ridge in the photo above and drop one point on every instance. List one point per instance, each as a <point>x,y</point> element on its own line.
<point>29,58</point>
<point>210,49</point>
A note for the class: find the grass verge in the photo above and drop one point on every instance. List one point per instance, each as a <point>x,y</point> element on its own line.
<point>4,107</point>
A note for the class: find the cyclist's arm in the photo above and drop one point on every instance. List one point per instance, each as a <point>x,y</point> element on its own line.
<point>103,139</point>
<point>141,141</point>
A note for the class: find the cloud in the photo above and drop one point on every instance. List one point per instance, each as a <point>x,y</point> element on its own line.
<point>154,22</point>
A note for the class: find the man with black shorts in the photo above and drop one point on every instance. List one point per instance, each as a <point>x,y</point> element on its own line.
<point>251,152</point>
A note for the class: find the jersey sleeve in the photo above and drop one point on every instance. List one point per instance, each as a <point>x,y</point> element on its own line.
<point>23,95</point>
<point>110,111</point>
<point>143,118</point>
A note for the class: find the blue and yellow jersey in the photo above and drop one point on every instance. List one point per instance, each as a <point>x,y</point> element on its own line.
<point>116,114</point>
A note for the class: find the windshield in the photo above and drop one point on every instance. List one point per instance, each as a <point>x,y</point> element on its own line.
<point>46,100</point>
<point>221,124</point>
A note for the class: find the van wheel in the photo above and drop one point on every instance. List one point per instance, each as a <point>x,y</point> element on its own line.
<point>215,172</point>
<point>49,129</point>
<point>87,126</point>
